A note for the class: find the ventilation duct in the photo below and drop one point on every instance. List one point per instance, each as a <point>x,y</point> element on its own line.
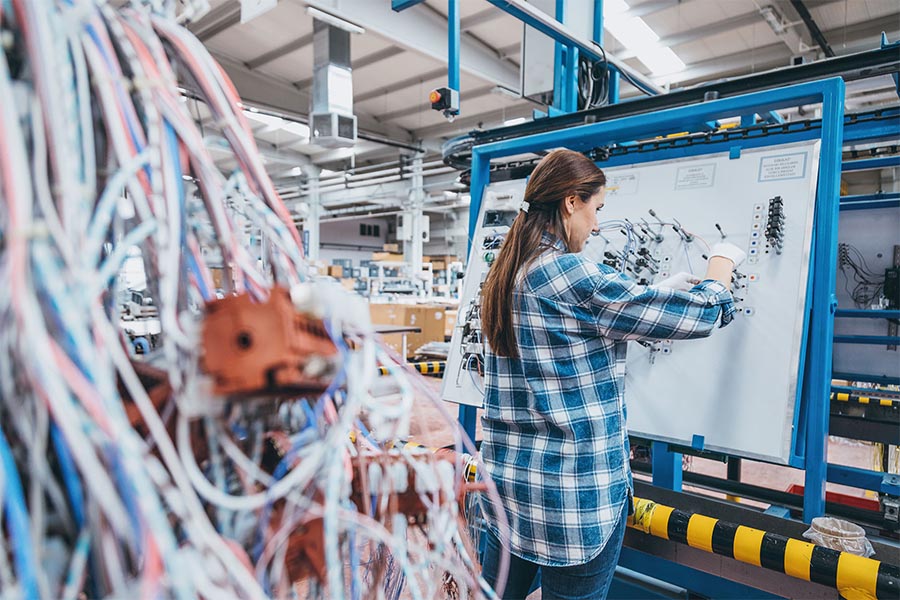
<point>332,122</point>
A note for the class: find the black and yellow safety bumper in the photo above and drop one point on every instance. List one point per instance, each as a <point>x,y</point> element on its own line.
<point>855,577</point>
<point>857,399</point>
<point>433,367</point>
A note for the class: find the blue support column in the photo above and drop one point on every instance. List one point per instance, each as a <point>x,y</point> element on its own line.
<point>614,79</point>
<point>598,22</point>
<point>565,70</point>
<point>817,376</point>
<point>480,178</point>
<point>667,466</point>
<point>453,44</point>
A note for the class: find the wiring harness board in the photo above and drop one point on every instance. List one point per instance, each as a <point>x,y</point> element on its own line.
<point>737,391</point>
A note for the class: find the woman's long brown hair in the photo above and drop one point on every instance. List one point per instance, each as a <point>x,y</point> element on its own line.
<point>560,174</point>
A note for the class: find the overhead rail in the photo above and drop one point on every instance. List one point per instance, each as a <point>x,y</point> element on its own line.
<point>861,65</point>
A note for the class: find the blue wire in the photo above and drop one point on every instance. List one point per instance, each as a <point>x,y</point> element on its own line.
<point>18,522</point>
<point>70,475</point>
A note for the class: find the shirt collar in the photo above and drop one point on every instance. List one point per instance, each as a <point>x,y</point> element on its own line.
<point>550,240</point>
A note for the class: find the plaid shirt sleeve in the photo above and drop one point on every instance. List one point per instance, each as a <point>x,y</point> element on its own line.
<point>625,310</point>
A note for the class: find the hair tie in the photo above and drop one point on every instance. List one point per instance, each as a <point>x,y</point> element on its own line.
<point>525,206</point>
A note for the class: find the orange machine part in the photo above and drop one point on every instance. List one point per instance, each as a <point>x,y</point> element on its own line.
<point>265,347</point>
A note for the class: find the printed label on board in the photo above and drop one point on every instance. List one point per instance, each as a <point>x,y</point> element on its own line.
<point>623,184</point>
<point>784,166</point>
<point>695,176</point>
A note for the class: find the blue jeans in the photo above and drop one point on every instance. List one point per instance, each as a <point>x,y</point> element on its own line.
<point>589,581</point>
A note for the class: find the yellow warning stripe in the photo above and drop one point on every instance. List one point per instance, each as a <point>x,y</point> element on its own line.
<point>699,533</point>
<point>855,577</point>
<point>797,557</point>
<point>845,397</point>
<point>426,368</point>
<point>748,545</point>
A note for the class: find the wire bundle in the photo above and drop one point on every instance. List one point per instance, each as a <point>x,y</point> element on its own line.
<point>867,284</point>
<point>193,495</point>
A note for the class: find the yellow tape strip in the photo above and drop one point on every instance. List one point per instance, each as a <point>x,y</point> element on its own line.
<point>700,531</point>
<point>857,577</point>
<point>659,521</point>
<point>747,545</point>
<point>797,556</point>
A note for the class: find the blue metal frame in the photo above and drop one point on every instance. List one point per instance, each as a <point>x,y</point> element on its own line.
<point>699,582</point>
<point>399,5</point>
<point>453,33</point>
<point>815,377</point>
<point>882,162</point>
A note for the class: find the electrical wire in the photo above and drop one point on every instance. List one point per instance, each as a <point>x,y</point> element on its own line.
<point>100,162</point>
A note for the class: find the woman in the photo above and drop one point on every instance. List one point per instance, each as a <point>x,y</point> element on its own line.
<point>556,327</point>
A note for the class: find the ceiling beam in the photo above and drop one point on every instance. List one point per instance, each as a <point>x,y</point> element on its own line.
<point>217,20</point>
<point>701,32</point>
<point>425,32</point>
<point>360,63</point>
<point>423,105</point>
<point>400,85</point>
<point>280,95</point>
<point>479,18</point>
<point>275,54</point>
<point>653,6</point>
<point>854,38</point>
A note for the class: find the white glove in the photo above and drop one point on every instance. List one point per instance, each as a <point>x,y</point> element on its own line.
<point>729,251</point>
<point>682,281</point>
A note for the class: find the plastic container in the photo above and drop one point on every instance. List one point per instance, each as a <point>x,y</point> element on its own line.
<point>839,535</point>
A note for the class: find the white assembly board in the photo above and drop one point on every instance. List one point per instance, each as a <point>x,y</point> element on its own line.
<point>738,389</point>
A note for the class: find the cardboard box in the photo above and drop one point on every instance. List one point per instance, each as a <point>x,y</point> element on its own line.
<point>387,256</point>
<point>348,284</point>
<point>395,248</point>
<point>336,271</point>
<point>430,318</point>
<point>218,275</point>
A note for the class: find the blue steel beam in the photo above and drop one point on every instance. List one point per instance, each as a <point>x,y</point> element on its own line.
<point>453,44</point>
<point>870,340</point>
<point>817,375</point>
<point>859,313</point>
<point>884,162</point>
<point>870,197</point>
<point>884,483</point>
<point>399,5</point>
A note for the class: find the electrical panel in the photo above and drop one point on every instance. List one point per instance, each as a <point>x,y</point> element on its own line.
<point>464,378</point>
<point>736,391</point>
<point>868,262</point>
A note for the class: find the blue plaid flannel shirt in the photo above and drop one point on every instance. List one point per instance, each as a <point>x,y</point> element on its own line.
<point>554,419</point>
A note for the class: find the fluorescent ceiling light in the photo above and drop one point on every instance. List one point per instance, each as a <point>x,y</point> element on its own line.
<point>516,121</point>
<point>327,173</point>
<point>333,20</point>
<point>639,38</point>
